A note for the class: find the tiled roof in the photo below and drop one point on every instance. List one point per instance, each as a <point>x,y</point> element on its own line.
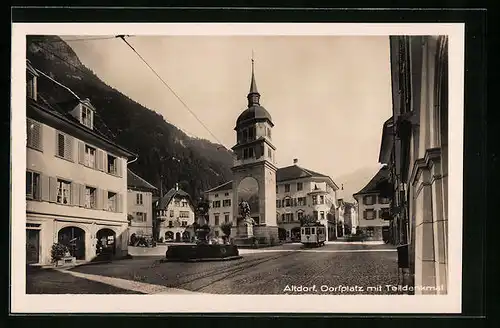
<point>225,186</point>
<point>172,193</point>
<point>373,186</point>
<point>133,180</point>
<point>295,172</point>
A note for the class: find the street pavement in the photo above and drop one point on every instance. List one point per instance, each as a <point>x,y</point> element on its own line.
<point>334,269</point>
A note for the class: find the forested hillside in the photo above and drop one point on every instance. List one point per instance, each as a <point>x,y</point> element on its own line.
<point>163,149</point>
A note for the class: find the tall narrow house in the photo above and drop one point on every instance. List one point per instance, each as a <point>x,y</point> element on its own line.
<point>76,178</point>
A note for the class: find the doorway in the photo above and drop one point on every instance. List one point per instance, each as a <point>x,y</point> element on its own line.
<point>32,246</point>
<point>74,239</point>
<point>106,242</point>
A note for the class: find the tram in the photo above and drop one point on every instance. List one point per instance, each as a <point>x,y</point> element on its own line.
<point>313,235</point>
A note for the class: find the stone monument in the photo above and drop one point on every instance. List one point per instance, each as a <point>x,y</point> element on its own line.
<point>244,223</point>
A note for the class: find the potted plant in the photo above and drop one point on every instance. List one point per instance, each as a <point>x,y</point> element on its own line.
<point>58,252</point>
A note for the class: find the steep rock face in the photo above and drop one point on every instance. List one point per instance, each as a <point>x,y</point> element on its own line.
<point>164,150</point>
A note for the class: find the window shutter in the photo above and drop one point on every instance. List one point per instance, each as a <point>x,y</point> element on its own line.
<point>365,215</point>
<point>52,189</point>
<point>81,152</point>
<point>98,199</point>
<point>82,195</point>
<point>104,197</point>
<point>119,166</point>
<point>119,203</point>
<point>68,147</point>
<point>75,195</point>
<point>44,182</point>
<point>100,160</point>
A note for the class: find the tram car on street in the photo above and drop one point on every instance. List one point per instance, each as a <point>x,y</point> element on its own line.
<point>313,235</point>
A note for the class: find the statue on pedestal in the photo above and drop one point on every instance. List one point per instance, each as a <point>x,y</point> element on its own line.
<point>245,223</point>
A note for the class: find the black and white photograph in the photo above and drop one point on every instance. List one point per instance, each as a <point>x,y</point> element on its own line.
<point>265,167</point>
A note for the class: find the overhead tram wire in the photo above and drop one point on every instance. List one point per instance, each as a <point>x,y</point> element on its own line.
<point>79,69</point>
<point>171,90</point>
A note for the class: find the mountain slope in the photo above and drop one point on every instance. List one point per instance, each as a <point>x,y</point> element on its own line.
<point>163,149</point>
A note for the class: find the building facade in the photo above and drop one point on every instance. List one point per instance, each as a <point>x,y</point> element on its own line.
<point>373,206</point>
<point>221,207</point>
<point>299,193</point>
<point>76,179</point>
<point>139,206</point>
<point>175,215</point>
<point>415,146</point>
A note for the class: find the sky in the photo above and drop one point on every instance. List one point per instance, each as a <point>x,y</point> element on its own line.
<point>328,95</point>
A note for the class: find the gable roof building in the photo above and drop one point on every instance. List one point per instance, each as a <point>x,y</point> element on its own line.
<point>136,182</point>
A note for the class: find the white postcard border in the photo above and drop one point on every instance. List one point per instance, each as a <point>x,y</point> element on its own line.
<point>24,303</point>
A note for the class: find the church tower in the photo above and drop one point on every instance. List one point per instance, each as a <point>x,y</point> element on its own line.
<point>254,169</point>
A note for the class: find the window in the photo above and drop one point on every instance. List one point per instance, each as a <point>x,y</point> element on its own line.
<point>322,215</point>
<point>226,194</point>
<point>321,199</point>
<point>112,199</point>
<point>287,187</point>
<point>301,201</point>
<point>64,146</point>
<point>369,214</point>
<point>216,203</point>
<point>184,223</point>
<point>307,231</point>
<point>370,231</point>
<point>177,203</point>
<point>245,135</point>
<point>251,133</point>
<point>269,153</point>
<point>34,133</point>
<point>216,195</point>
<point>87,116</point>
<point>184,203</point>
<point>313,231</point>
<point>277,189</point>
<point>90,156</point>
<point>288,202</point>
<point>33,185</point>
<point>384,200</point>
<point>315,215</point>
<point>385,214</point>
<point>288,217</point>
<point>247,153</point>
<point>369,200</point>
<point>140,216</point>
<point>268,132</point>
<point>226,218</point>
<point>226,202</point>
<point>112,164</point>
<point>184,214</point>
<point>216,219</point>
<point>299,186</point>
<point>138,199</point>
<point>170,224</point>
<point>300,215</point>
<point>63,191</point>
<point>278,203</point>
<point>171,213</point>
<point>90,197</point>
<point>315,200</point>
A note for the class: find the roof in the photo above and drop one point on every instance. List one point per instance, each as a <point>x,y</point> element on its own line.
<point>172,193</point>
<point>386,142</point>
<point>374,186</point>
<point>254,113</point>
<point>225,186</point>
<point>133,180</point>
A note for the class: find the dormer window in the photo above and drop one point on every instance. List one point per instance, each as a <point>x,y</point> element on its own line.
<point>87,116</point>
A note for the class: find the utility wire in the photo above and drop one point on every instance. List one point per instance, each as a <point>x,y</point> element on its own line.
<point>171,90</point>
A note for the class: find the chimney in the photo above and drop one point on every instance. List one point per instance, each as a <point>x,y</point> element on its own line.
<point>176,186</point>
<point>295,161</point>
